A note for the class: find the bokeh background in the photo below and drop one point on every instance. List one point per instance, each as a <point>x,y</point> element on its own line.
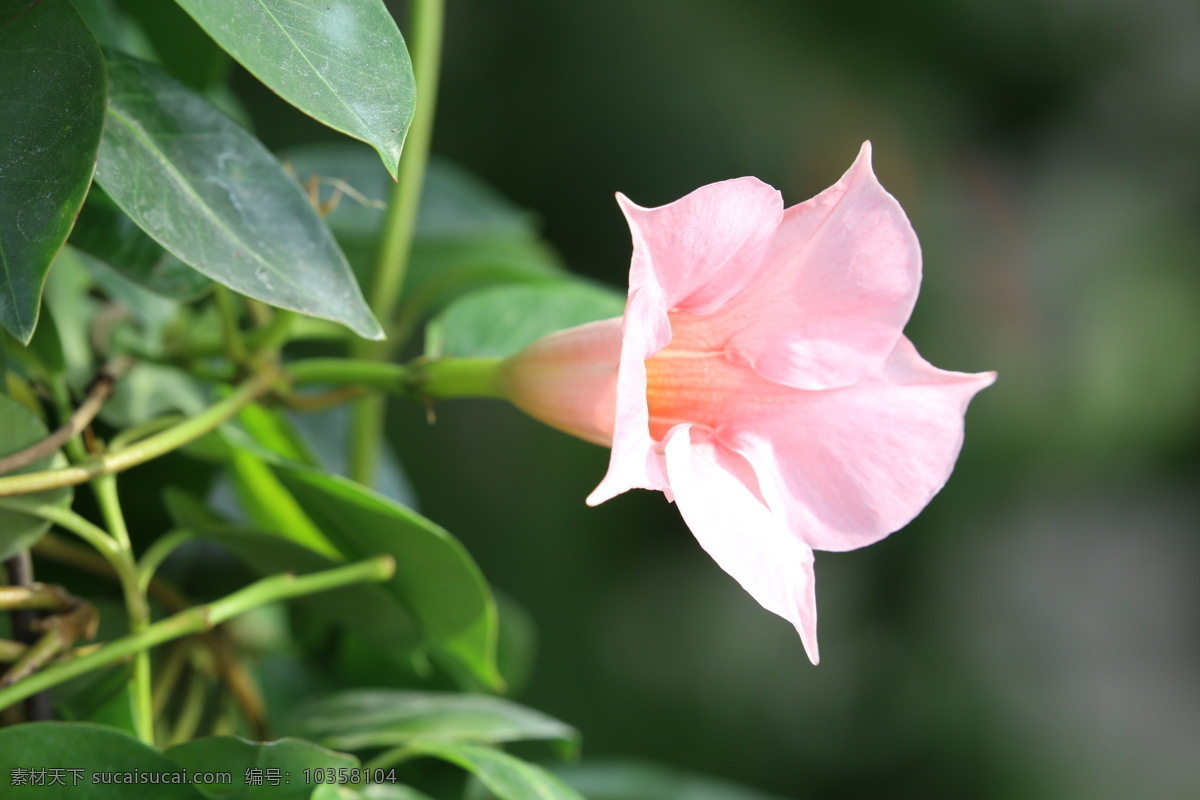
<point>1035,633</point>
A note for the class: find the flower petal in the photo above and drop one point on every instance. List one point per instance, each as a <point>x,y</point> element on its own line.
<point>849,466</point>
<point>835,289</point>
<point>692,254</point>
<point>702,249</point>
<point>740,533</point>
<point>634,463</point>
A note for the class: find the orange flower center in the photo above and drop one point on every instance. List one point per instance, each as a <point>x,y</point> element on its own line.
<point>693,379</point>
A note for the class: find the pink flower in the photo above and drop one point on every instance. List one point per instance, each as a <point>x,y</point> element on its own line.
<point>761,380</point>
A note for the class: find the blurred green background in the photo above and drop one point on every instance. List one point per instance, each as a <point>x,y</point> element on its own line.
<point>1036,632</point>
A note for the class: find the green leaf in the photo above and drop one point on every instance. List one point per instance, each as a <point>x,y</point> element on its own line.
<point>631,780</point>
<point>102,696</point>
<point>149,390</point>
<point>436,578</point>
<point>457,205</point>
<point>107,233</point>
<point>497,322</point>
<point>367,718</point>
<point>344,64</point>
<point>467,235</point>
<point>348,181</point>
<point>180,45</point>
<point>51,114</point>
<point>370,791</point>
<point>327,433</point>
<point>516,650</point>
<point>19,428</point>
<point>113,29</point>
<point>277,433</point>
<point>248,761</point>
<point>366,609</point>
<point>507,777</point>
<point>86,751</point>
<point>212,195</point>
<point>269,437</point>
<point>390,791</point>
<point>271,506</point>
<point>151,312</point>
<point>47,348</point>
<point>444,269</point>
<point>69,296</point>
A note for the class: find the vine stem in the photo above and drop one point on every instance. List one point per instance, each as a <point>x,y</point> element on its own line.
<point>98,394</point>
<point>392,263</point>
<point>387,280</point>
<point>67,519</point>
<point>199,619</point>
<point>137,608</point>
<point>149,448</point>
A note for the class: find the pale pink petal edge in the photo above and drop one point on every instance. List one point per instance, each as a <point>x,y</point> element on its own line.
<point>851,466</point>
<point>746,539</point>
<point>835,290</point>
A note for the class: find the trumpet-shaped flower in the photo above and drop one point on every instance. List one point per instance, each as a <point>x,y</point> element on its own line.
<point>761,380</point>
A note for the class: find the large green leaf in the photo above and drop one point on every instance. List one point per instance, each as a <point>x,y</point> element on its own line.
<point>436,578</point>
<point>51,114</point>
<point>270,505</point>
<point>366,718</point>
<point>19,428</point>
<point>343,63</point>
<point>211,194</point>
<point>366,609</point>
<point>327,432</point>
<point>280,770</point>
<point>497,322</point>
<point>102,696</point>
<point>78,754</point>
<point>507,777</point>
<point>107,233</point>
<point>631,780</point>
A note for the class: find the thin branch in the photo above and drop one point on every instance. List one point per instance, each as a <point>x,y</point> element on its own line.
<point>199,619</point>
<point>98,394</point>
<point>321,401</point>
<point>149,448</point>
<point>19,569</point>
<point>35,597</point>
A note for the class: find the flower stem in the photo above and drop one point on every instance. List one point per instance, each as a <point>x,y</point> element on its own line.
<point>198,619</point>
<point>458,377</point>
<point>149,448</point>
<point>387,280</point>
<point>381,375</point>
<point>440,378</point>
